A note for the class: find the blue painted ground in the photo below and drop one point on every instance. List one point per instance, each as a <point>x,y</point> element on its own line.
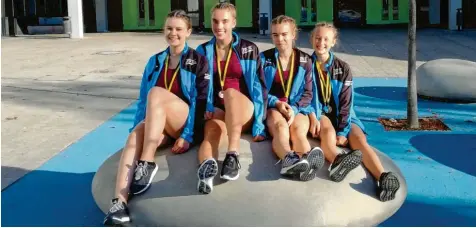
<point>439,167</point>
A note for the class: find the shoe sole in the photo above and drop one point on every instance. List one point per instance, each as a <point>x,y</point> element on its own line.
<point>226,177</point>
<point>117,222</point>
<point>389,188</point>
<point>348,164</point>
<point>299,167</point>
<point>316,161</point>
<point>150,181</point>
<point>206,172</point>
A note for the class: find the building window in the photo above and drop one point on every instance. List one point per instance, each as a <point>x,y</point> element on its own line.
<point>151,12</point>
<point>314,10</point>
<point>303,10</point>
<point>395,10</point>
<point>385,7</point>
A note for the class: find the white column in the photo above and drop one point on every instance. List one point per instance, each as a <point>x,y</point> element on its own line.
<point>265,7</point>
<point>75,12</point>
<point>101,15</point>
<point>453,5</point>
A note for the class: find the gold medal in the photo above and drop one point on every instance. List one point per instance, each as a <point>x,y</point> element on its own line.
<point>222,77</point>
<point>326,89</point>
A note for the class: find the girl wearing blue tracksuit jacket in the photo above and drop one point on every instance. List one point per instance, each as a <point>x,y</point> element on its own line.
<point>288,75</point>
<point>237,100</point>
<point>339,123</point>
<point>172,101</point>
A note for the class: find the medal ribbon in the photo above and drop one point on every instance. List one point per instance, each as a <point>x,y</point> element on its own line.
<point>287,89</point>
<point>326,92</point>
<point>222,78</point>
<point>169,87</point>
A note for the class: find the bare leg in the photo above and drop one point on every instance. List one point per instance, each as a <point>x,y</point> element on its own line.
<point>238,116</point>
<point>165,112</point>
<point>328,139</point>
<point>298,130</point>
<point>215,131</point>
<point>132,150</point>
<point>279,130</point>
<point>358,141</point>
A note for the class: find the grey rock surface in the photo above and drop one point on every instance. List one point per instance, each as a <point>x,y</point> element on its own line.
<point>260,197</point>
<point>452,79</point>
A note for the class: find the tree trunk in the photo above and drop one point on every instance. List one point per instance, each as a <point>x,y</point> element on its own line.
<point>412,106</point>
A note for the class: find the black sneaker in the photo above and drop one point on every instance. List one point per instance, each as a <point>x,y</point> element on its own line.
<point>316,160</point>
<point>143,176</point>
<point>206,172</point>
<point>231,166</point>
<point>387,186</point>
<point>118,215</point>
<point>343,164</point>
<point>293,165</point>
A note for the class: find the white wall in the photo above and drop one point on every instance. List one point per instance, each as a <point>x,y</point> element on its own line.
<point>101,15</point>
<point>75,12</point>
<point>453,5</point>
<point>265,7</point>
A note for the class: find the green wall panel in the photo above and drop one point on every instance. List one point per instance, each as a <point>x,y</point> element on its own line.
<point>162,8</point>
<point>374,12</point>
<point>325,10</point>
<point>130,13</point>
<point>293,9</point>
<point>207,15</point>
<point>244,13</point>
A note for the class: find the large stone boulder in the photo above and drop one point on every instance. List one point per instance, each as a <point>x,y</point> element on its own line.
<point>447,79</point>
<point>260,197</point>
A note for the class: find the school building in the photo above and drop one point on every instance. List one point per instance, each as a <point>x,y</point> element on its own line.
<point>139,15</point>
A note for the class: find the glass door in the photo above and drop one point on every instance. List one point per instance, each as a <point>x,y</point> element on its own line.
<point>146,13</point>
<point>308,12</point>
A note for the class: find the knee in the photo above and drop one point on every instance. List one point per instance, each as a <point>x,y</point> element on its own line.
<point>297,130</point>
<point>213,129</point>
<point>327,130</point>
<point>155,95</point>
<point>280,126</point>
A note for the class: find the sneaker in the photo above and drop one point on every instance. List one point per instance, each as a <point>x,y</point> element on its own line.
<point>231,167</point>
<point>343,164</point>
<point>143,176</point>
<point>118,215</point>
<point>387,186</point>
<point>206,172</point>
<point>316,160</point>
<point>293,165</point>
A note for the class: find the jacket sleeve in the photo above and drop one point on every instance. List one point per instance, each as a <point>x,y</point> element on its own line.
<point>304,104</point>
<point>345,103</point>
<point>198,100</point>
<point>271,98</point>
<point>209,107</point>
<point>142,100</point>
<point>259,85</point>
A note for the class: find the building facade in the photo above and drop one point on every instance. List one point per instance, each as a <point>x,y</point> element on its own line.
<point>143,15</point>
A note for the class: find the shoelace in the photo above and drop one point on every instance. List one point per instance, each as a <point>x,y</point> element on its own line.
<point>287,159</point>
<point>229,163</point>
<point>141,171</point>
<point>116,207</point>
